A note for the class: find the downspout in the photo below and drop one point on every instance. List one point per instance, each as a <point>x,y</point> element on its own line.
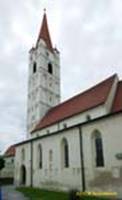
<point>31,164</point>
<point>82,160</point>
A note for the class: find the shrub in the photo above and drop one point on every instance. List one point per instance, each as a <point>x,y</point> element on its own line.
<point>73,195</point>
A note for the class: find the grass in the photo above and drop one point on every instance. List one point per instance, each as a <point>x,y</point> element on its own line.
<point>94,198</point>
<point>39,194</point>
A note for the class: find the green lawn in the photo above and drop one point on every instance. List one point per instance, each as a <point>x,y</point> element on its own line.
<point>38,194</point>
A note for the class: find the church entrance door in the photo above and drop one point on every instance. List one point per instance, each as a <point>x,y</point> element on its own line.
<point>23,175</point>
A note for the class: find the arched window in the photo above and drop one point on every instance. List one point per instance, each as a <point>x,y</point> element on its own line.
<point>50,156</point>
<point>34,67</point>
<point>40,156</point>
<point>23,154</point>
<point>65,153</point>
<point>50,68</point>
<point>98,149</point>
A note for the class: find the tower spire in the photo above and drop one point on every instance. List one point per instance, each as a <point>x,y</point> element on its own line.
<point>44,32</point>
<point>44,10</point>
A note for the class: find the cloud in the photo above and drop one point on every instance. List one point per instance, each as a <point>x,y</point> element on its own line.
<point>91,43</point>
<point>88,34</point>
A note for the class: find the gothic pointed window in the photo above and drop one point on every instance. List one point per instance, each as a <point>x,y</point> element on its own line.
<point>50,156</point>
<point>65,153</point>
<point>40,156</point>
<point>50,68</point>
<point>98,149</point>
<point>23,154</point>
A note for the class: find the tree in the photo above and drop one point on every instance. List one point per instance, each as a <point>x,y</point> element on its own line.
<point>2,163</point>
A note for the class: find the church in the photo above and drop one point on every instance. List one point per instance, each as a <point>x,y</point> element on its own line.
<point>75,144</point>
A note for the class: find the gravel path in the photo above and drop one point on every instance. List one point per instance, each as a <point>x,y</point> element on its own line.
<point>9,193</point>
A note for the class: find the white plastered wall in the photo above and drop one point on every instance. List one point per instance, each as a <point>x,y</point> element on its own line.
<point>19,162</point>
<point>111,131</point>
<point>56,177</point>
<point>8,170</point>
<point>74,120</point>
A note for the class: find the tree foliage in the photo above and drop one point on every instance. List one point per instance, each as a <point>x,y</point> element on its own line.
<point>2,163</point>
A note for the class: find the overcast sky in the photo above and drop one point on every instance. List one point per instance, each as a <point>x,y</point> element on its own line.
<point>88,34</point>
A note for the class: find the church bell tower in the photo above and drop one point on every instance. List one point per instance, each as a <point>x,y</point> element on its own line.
<point>44,77</point>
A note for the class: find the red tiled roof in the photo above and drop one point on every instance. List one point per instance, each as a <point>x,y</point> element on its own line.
<point>117,105</point>
<point>89,99</point>
<point>44,34</point>
<point>10,151</point>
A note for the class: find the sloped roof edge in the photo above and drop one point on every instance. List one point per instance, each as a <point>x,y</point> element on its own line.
<point>93,97</point>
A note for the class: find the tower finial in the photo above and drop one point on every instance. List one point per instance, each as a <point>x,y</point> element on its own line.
<point>44,10</point>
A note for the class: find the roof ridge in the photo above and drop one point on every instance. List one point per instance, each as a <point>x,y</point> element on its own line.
<point>85,91</point>
<point>88,99</point>
<point>10,150</point>
<point>117,98</point>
